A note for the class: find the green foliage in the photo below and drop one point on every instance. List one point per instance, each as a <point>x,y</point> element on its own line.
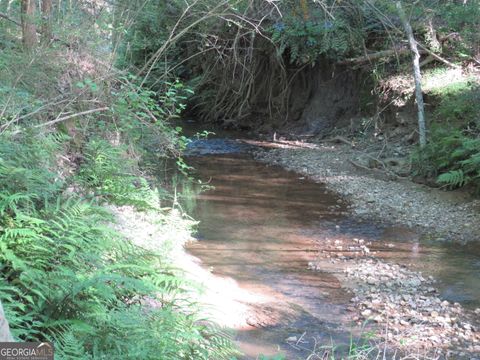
<point>459,104</point>
<point>109,173</point>
<point>451,156</point>
<point>453,178</point>
<point>143,116</point>
<point>465,164</point>
<point>153,21</point>
<point>28,168</point>
<point>307,39</point>
<point>26,82</point>
<point>462,19</point>
<point>67,277</point>
<point>274,357</point>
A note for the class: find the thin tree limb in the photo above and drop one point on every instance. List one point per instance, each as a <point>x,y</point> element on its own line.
<point>375,56</point>
<point>72,116</point>
<point>439,58</point>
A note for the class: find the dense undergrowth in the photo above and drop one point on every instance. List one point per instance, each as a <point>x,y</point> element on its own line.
<point>67,277</point>
<point>78,134</point>
<point>452,155</point>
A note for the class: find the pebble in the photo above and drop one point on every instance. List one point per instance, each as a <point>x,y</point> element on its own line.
<point>366,313</point>
<point>391,293</point>
<point>410,304</point>
<point>372,197</point>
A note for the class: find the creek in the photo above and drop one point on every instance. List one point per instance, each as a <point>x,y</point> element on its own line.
<point>260,229</point>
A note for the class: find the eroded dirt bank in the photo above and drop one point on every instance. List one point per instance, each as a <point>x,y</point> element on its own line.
<point>373,195</point>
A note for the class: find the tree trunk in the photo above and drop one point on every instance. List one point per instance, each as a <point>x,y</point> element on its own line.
<point>417,75</point>
<point>46,21</point>
<point>5,335</point>
<point>29,30</point>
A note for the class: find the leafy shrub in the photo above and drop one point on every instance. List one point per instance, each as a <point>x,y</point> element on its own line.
<point>462,19</point>
<point>110,174</point>
<point>464,164</point>
<point>452,157</point>
<point>459,104</point>
<point>306,40</point>
<point>143,117</point>
<point>26,82</point>
<point>153,22</point>
<point>70,277</point>
<point>28,168</point>
<point>65,275</point>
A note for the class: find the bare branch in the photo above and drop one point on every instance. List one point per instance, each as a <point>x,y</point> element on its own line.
<point>72,116</point>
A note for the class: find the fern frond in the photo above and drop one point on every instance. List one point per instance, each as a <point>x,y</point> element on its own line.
<point>454,178</point>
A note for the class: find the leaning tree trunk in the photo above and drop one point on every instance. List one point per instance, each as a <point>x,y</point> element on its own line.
<point>29,30</point>
<point>417,75</point>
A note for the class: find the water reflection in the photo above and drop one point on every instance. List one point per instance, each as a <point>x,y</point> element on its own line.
<point>261,226</point>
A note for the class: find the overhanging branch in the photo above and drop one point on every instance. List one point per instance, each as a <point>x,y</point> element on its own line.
<point>377,55</point>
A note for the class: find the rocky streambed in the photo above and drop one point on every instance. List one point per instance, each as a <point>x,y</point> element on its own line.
<point>299,266</point>
<point>402,307</point>
<point>373,194</point>
<point>391,297</point>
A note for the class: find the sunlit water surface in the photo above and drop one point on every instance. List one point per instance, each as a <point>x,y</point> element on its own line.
<point>261,226</point>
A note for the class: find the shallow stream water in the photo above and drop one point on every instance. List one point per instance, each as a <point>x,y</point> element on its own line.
<point>261,226</point>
